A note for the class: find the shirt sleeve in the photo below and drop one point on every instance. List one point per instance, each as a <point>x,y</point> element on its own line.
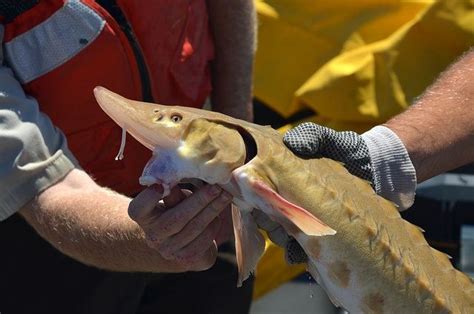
<point>33,152</point>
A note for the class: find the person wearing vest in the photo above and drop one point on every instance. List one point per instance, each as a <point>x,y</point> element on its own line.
<point>67,242</point>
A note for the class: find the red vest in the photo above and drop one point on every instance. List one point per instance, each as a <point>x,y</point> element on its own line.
<point>60,50</point>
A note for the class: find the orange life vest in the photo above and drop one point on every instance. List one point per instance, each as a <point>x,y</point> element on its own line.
<point>60,50</point>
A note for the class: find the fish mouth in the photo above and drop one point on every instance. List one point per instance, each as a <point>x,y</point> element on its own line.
<point>151,177</point>
<point>149,180</point>
<point>190,184</point>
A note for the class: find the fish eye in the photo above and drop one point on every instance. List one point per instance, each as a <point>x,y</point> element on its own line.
<point>176,118</point>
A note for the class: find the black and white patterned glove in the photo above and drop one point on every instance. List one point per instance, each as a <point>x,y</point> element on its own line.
<point>377,156</point>
<point>314,140</point>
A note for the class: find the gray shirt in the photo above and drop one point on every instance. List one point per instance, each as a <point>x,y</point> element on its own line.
<point>33,152</point>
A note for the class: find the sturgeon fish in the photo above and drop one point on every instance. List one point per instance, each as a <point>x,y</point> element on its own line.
<point>364,255</point>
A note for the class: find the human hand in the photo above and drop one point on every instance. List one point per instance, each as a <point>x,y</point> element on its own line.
<point>183,228</point>
<point>377,156</point>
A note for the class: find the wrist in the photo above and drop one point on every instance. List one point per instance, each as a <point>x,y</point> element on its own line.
<point>393,170</point>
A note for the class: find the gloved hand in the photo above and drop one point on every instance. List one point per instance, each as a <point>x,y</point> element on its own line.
<point>377,156</point>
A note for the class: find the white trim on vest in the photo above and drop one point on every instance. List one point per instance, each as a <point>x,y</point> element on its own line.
<point>53,42</point>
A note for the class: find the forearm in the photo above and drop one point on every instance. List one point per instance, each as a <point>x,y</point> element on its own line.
<point>91,224</point>
<point>233,26</point>
<point>438,130</point>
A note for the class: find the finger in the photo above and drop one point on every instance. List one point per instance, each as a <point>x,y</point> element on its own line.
<point>203,261</point>
<point>306,139</point>
<point>294,253</point>
<point>175,197</point>
<point>175,219</point>
<point>196,226</point>
<point>226,230</point>
<point>263,221</point>
<point>200,244</point>
<point>279,236</point>
<point>142,207</point>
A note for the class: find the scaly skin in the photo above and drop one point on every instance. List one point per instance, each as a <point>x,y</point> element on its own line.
<point>377,262</point>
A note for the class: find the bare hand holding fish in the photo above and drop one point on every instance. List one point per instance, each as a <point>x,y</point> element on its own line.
<point>183,228</point>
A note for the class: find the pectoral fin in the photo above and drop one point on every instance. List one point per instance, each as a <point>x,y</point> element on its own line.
<point>249,243</point>
<point>299,216</point>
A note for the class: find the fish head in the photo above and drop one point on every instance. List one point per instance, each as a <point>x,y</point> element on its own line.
<point>153,125</point>
<point>186,142</point>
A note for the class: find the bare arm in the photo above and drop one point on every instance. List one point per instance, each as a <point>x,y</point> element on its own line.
<point>91,224</point>
<point>233,26</point>
<point>438,130</point>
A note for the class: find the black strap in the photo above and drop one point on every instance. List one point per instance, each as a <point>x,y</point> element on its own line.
<point>113,8</point>
<point>10,9</point>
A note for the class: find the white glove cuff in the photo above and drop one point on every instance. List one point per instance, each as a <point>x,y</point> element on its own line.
<point>394,173</point>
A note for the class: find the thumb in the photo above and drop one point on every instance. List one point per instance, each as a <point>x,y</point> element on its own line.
<point>142,207</point>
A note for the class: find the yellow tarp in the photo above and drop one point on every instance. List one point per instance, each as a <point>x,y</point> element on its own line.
<point>355,63</point>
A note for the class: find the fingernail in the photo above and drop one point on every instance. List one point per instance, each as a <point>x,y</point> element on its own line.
<point>215,190</point>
